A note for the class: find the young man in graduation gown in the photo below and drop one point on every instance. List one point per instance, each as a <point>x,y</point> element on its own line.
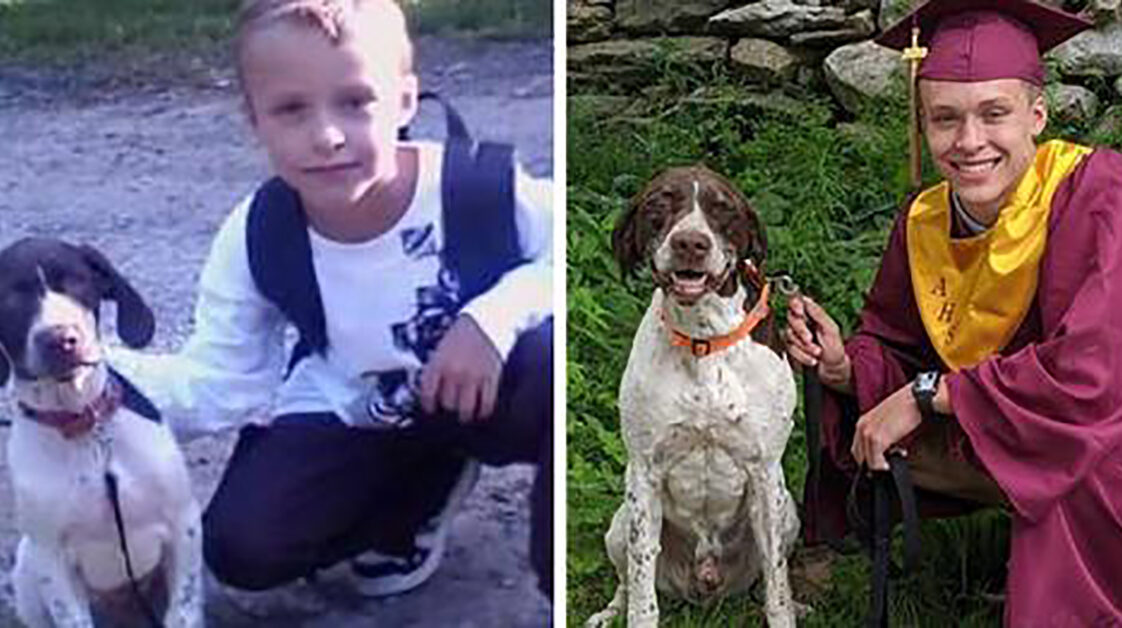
<point>989,350</point>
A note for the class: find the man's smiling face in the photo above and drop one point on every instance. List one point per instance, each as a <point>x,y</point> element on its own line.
<point>982,137</point>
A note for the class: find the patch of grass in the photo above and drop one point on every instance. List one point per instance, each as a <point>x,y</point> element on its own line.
<point>828,191</point>
<point>65,31</point>
<point>488,18</point>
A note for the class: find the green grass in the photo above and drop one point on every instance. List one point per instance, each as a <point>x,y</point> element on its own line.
<point>491,18</point>
<point>827,191</point>
<point>67,31</point>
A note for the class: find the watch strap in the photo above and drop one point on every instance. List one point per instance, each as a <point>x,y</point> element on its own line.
<point>924,390</point>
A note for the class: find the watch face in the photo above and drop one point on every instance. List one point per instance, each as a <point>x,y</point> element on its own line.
<point>927,380</point>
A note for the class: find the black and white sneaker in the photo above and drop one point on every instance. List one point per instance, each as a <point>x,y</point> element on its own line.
<point>380,575</point>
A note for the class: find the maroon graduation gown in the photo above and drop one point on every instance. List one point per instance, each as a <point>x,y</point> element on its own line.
<point>1044,417</point>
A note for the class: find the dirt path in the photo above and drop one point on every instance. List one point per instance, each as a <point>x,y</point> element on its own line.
<point>145,168</point>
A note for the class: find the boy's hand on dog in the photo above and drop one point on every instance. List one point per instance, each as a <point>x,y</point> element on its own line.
<point>828,353</point>
<point>463,374</point>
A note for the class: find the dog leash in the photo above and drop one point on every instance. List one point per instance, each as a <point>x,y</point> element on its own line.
<point>812,396</point>
<point>113,493</point>
<point>880,531</point>
<point>883,482</point>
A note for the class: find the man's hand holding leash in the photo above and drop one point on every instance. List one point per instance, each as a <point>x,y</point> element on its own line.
<point>880,428</point>
<point>827,353</point>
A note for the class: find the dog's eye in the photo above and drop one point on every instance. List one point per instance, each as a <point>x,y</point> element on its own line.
<point>723,211</point>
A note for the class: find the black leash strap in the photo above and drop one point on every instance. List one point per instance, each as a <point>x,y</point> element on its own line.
<point>881,548</point>
<point>115,501</point>
<point>898,467</point>
<point>812,413</point>
<point>898,478</point>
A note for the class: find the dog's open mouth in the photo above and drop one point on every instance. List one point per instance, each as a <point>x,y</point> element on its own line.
<point>690,284</point>
<point>68,370</point>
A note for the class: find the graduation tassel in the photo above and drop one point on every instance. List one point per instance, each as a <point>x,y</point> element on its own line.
<point>913,55</point>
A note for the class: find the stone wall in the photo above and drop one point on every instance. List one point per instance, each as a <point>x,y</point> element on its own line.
<point>823,44</point>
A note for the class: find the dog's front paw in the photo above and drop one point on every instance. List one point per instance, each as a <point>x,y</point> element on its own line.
<point>784,619</point>
<point>185,618</point>
<point>802,611</point>
<point>603,619</point>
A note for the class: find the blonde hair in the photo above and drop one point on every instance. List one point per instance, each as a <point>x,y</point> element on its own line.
<point>339,20</point>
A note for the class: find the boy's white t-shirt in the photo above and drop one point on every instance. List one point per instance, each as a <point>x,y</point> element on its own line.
<point>386,304</point>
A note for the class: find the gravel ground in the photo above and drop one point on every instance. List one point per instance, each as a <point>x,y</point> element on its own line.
<point>145,166</point>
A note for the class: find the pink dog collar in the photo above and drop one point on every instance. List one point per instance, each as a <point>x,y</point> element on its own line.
<point>75,424</point>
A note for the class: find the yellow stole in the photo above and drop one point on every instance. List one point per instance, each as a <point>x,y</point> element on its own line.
<point>973,293</point>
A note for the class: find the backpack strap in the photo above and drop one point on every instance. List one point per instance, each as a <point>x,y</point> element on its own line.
<point>481,237</point>
<point>280,260</point>
<point>135,400</point>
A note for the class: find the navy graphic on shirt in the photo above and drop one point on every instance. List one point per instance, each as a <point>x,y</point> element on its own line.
<point>393,396</point>
<point>418,242</point>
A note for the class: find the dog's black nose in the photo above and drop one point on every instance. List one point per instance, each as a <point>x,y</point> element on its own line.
<point>58,342</point>
<point>691,243</point>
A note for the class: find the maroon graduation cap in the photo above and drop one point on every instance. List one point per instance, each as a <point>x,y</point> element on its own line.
<point>978,40</point>
<point>971,40</point>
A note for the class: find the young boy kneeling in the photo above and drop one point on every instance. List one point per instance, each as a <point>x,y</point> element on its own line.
<point>400,375</point>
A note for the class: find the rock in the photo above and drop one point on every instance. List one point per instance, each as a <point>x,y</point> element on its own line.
<point>537,87</point>
<point>891,11</point>
<point>852,6</point>
<point>607,53</point>
<point>457,71</point>
<point>858,26</point>
<point>777,103</point>
<point>1073,103</point>
<point>857,73</point>
<point>1118,86</point>
<point>599,104</point>
<point>666,16</point>
<point>1092,53</point>
<point>1105,11</point>
<point>777,19</point>
<point>763,61</point>
<point>588,20</point>
<point>1109,125</point>
<point>628,63</point>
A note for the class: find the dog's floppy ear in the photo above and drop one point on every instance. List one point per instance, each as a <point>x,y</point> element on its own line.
<point>135,322</point>
<point>748,231</point>
<point>625,237</point>
<point>757,241</point>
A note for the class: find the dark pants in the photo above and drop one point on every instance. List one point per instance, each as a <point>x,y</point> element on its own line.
<point>308,491</point>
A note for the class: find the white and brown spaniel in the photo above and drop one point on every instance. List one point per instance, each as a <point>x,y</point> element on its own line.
<point>705,408</point>
<point>93,469</point>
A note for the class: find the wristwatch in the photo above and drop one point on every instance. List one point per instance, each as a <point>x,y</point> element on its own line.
<point>924,388</point>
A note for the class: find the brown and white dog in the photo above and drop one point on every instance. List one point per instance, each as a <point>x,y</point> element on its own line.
<point>79,430</point>
<point>705,409</point>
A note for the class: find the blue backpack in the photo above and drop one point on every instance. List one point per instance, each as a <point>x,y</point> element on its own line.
<point>477,210</point>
